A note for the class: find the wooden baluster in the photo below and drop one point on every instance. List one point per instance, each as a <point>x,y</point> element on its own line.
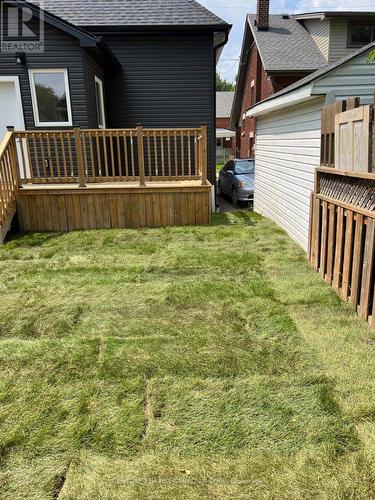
<point>119,161</point>
<point>81,170</point>
<point>44,163</point>
<point>70,156</point>
<point>51,171</point>
<point>149,154</point>
<point>36,156</point>
<point>156,154</point>
<point>57,156</point>
<point>62,144</point>
<point>169,154</point>
<point>162,154</point>
<point>132,152</point>
<point>189,153</point>
<point>204,154</point>
<point>141,156</point>
<point>105,155</point>
<point>196,156</point>
<point>112,154</point>
<point>29,169</point>
<point>182,155</point>
<point>175,153</point>
<point>126,154</point>
<point>92,162</point>
<point>84,151</point>
<point>98,152</point>
<point>23,157</point>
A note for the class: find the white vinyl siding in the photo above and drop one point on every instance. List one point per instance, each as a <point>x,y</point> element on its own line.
<point>319,30</point>
<point>287,153</point>
<point>338,40</point>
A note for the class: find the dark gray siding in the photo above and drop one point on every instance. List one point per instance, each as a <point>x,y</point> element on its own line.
<point>167,80</point>
<point>93,69</point>
<point>61,51</point>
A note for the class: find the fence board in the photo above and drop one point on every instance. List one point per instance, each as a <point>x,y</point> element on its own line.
<point>342,236</point>
<point>352,139</point>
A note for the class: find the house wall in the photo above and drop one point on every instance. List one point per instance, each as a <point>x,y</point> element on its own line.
<point>338,40</point>
<point>320,30</point>
<point>264,86</point>
<point>288,147</point>
<point>222,122</point>
<point>61,51</point>
<point>262,89</point>
<point>93,68</point>
<point>287,153</point>
<point>230,145</point>
<point>355,78</point>
<point>167,80</point>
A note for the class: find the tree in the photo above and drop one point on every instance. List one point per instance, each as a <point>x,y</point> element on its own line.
<point>371,56</point>
<point>222,84</point>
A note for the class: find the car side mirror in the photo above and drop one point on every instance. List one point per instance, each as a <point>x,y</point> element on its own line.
<point>230,172</point>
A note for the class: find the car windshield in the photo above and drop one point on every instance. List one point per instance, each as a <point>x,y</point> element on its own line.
<point>244,167</point>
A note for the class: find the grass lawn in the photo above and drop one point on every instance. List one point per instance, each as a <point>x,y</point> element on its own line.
<point>202,362</point>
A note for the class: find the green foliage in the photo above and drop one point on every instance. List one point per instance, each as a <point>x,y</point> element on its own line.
<point>371,56</point>
<point>223,85</point>
<point>198,362</point>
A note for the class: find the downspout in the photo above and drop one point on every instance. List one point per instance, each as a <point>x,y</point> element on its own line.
<point>217,48</point>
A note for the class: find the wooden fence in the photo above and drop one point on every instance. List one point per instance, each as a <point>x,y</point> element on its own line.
<point>342,234</point>
<point>84,156</point>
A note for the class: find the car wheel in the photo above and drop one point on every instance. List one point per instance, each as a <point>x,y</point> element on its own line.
<point>234,197</point>
<point>219,189</point>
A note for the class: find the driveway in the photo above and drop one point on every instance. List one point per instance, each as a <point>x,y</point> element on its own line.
<point>226,205</point>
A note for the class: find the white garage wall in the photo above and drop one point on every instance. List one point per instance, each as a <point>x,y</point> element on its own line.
<point>287,153</point>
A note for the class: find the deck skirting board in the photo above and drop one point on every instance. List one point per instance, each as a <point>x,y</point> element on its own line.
<point>72,209</point>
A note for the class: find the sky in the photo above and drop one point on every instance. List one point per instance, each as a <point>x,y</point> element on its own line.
<point>234,12</point>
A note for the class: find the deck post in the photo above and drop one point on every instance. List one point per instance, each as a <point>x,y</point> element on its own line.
<point>81,169</point>
<point>141,156</point>
<point>204,153</point>
<point>14,159</point>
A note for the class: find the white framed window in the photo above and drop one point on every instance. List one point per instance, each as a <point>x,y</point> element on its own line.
<point>100,109</point>
<point>51,97</point>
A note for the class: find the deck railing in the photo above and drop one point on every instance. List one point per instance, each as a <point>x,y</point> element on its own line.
<point>112,155</point>
<point>8,179</point>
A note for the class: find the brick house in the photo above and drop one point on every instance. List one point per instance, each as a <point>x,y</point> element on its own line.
<point>276,52</point>
<point>225,138</point>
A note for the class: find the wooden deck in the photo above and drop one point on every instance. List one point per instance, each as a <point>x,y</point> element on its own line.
<point>69,208</point>
<point>93,179</point>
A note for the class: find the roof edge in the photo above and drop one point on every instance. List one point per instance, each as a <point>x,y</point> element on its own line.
<point>241,80</point>
<point>86,39</point>
<point>284,101</point>
<point>139,28</point>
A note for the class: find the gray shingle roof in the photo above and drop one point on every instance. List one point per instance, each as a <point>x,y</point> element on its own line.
<point>317,74</point>
<point>286,46</point>
<point>224,102</point>
<point>88,13</point>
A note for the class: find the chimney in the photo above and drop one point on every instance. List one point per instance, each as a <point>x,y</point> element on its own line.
<point>263,14</point>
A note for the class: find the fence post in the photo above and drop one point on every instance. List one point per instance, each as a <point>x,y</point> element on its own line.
<point>141,156</point>
<point>14,158</point>
<point>81,169</point>
<point>204,154</point>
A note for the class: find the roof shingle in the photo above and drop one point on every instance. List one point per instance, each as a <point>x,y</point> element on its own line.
<point>286,46</point>
<point>86,13</point>
<point>224,102</point>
